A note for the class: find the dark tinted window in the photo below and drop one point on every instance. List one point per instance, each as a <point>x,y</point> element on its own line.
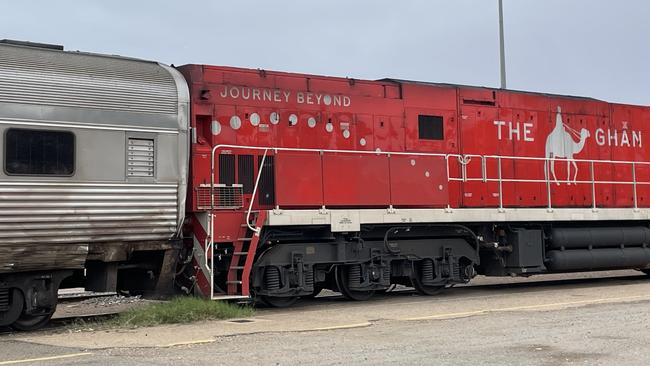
<point>430,128</point>
<point>227,169</point>
<point>35,152</point>
<point>245,172</point>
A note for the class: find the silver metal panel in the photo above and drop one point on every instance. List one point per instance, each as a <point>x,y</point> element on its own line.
<point>51,225</point>
<point>183,139</point>
<point>69,79</point>
<point>102,99</point>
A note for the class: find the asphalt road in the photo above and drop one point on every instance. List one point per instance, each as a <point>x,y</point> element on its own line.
<point>588,321</point>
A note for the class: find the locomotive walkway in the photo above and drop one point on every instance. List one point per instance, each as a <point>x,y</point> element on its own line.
<point>485,301</point>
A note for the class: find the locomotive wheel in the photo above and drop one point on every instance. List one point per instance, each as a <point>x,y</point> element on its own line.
<point>278,302</point>
<point>426,290</point>
<point>342,281</point>
<point>420,288</point>
<point>15,309</point>
<point>31,322</point>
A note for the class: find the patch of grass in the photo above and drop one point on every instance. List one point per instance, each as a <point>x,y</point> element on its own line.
<point>180,310</point>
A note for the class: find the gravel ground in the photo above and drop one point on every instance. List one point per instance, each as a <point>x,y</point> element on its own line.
<point>98,305</point>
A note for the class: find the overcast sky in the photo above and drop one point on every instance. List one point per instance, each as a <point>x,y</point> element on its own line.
<point>597,48</point>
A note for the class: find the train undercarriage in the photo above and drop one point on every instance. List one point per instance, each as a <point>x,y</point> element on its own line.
<point>359,264</point>
<point>293,263</point>
<point>28,299</point>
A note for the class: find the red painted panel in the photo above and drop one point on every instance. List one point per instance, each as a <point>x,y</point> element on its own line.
<point>227,225</point>
<point>478,137</point>
<point>605,193</point>
<point>356,180</point>
<point>449,143</point>
<point>365,138</point>
<point>533,192</point>
<point>298,179</point>
<point>643,170</point>
<point>389,133</point>
<point>418,181</point>
<point>623,138</point>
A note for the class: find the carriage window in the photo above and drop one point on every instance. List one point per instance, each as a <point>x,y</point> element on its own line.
<point>430,127</point>
<point>39,152</point>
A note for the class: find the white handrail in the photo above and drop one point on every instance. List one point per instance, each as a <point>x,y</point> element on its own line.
<point>256,230</point>
<point>463,160</point>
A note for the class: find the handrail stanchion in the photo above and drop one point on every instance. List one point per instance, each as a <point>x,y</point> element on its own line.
<point>483,169</point>
<point>593,186</point>
<point>500,186</point>
<point>390,191</point>
<point>547,175</point>
<point>636,204</point>
<point>448,209</point>
<point>463,167</point>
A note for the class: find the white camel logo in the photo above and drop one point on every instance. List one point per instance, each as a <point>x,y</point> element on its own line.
<point>560,144</point>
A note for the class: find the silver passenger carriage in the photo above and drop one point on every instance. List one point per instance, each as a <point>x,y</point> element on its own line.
<point>94,152</point>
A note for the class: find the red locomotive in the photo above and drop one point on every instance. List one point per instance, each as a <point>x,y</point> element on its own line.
<point>303,182</point>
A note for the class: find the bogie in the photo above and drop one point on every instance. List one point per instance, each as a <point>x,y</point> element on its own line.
<point>358,265</point>
<point>31,298</point>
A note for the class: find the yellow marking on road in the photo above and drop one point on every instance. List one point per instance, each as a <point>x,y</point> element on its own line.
<point>188,343</point>
<point>47,358</point>
<point>345,326</point>
<point>528,307</point>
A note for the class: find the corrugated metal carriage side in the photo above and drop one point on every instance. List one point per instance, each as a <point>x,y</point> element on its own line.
<point>94,154</point>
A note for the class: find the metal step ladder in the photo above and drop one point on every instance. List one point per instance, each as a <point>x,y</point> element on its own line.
<point>243,256</point>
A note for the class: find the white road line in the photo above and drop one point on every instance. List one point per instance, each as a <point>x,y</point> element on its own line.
<point>47,358</point>
<point>528,307</point>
